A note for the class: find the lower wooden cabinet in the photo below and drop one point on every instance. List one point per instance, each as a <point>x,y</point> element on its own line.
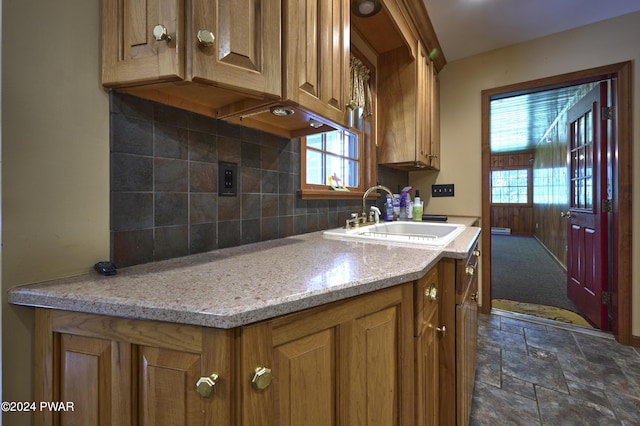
<point>130,372</point>
<point>348,363</point>
<point>399,356</point>
<point>458,348</point>
<point>428,333</point>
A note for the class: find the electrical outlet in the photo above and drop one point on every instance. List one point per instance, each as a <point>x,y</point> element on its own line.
<point>442,190</point>
<point>227,179</point>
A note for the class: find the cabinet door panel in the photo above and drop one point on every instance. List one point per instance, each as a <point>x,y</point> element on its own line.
<point>373,392</point>
<point>307,366</point>
<point>246,53</point>
<point>318,55</point>
<point>131,54</point>
<point>167,387</point>
<point>85,379</point>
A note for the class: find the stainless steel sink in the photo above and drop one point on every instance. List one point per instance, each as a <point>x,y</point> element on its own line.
<point>425,233</point>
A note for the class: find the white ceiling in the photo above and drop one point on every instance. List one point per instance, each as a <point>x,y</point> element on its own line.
<point>469,27</point>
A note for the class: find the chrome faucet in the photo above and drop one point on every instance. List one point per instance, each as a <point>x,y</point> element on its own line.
<point>357,219</point>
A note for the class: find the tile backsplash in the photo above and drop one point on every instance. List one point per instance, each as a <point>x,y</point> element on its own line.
<point>164,185</point>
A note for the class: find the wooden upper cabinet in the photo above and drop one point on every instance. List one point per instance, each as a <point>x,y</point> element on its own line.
<point>408,129</point>
<point>230,51</point>
<point>317,38</point>
<point>130,53</point>
<point>246,50</point>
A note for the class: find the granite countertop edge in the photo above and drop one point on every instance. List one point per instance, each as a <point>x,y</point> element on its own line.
<point>320,271</point>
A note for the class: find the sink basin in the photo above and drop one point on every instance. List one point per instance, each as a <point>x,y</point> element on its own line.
<point>424,233</point>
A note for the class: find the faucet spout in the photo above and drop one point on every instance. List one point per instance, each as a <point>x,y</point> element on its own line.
<point>369,191</point>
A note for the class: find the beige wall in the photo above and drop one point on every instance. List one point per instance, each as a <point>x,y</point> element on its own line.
<point>462,81</point>
<point>55,162</point>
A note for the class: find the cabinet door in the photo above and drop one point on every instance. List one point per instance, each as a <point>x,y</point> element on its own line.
<point>317,48</point>
<point>466,350</point>
<point>346,363</point>
<point>427,373</point>
<point>373,392</point>
<point>423,117</point>
<point>130,52</point>
<point>167,387</point>
<point>246,50</point>
<point>90,375</point>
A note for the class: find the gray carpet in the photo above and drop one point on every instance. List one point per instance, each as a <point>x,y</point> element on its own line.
<point>522,270</point>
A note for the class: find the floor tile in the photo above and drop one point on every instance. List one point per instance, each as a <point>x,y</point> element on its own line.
<point>494,406</point>
<point>557,408</point>
<point>537,373</point>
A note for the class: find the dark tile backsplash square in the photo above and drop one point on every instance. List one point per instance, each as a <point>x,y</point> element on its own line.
<point>164,185</point>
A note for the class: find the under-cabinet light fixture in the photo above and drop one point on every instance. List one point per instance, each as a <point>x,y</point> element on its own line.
<point>315,123</point>
<point>281,111</point>
<point>365,8</point>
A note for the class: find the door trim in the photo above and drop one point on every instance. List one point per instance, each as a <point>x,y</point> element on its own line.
<point>622,173</point>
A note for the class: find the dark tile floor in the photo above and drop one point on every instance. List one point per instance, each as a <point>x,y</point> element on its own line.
<point>532,372</point>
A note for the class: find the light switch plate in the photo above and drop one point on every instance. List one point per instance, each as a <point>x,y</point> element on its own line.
<point>442,190</point>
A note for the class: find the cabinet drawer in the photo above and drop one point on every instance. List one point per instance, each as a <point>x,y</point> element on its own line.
<point>468,277</point>
<point>426,297</point>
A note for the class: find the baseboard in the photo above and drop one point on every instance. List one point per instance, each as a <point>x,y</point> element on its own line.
<point>635,341</point>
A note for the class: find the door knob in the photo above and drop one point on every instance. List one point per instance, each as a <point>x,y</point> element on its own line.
<point>205,38</point>
<point>431,293</point>
<point>566,214</point>
<point>261,378</point>
<point>206,385</point>
<point>160,33</point>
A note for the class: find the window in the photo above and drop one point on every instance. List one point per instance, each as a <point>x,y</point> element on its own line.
<point>510,186</point>
<point>332,159</point>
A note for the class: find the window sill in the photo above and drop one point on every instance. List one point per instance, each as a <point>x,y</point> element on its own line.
<point>328,194</point>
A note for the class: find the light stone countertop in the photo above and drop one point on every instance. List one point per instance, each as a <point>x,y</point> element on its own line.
<point>231,287</point>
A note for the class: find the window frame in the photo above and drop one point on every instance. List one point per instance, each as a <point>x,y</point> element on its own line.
<point>365,167</point>
<point>529,170</point>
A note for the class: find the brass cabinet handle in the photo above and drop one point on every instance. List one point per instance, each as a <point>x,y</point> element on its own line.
<point>474,297</point>
<point>160,33</point>
<point>476,253</point>
<point>567,214</point>
<point>470,270</point>
<point>431,293</point>
<point>442,330</point>
<point>205,38</point>
<point>206,386</point>
<point>261,378</point>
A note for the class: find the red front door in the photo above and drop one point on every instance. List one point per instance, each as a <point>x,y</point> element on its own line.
<point>587,253</point>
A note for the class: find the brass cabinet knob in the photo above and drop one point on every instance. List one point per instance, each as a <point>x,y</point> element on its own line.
<point>160,33</point>
<point>261,378</point>
<point>442,330</point>
<point>474,297</point>
<point>206,386</point>
<point>476,253</point>
<point>470,270</point>
<point>431,293</point>
<point>205,38</point>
